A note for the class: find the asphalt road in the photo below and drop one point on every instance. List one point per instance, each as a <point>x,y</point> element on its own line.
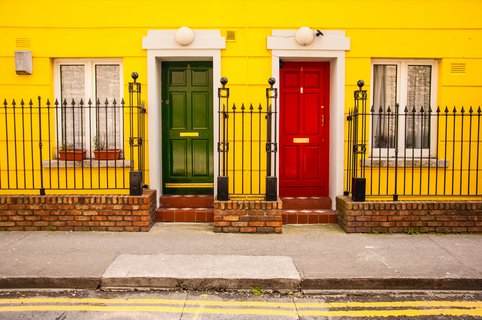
<point>251,304</point>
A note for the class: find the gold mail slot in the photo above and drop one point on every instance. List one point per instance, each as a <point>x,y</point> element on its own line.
<point>301,140</point>
<point>189,134</point>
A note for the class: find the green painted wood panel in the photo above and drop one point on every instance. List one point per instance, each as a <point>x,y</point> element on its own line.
<point>187,127</point>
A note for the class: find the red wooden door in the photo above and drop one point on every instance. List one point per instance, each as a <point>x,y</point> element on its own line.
<point>304,128</point>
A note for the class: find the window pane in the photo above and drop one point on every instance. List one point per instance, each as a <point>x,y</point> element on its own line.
<point>384,99</point>
<point>107,87</point>
<point>418,97</point>
<point>72,83</point>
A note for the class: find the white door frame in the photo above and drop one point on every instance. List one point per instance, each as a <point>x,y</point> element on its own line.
<point>161,46</point>
<point>329,47</point>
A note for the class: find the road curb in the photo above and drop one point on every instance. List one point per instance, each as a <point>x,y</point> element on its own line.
<point>392,284</point>
<point>91,283</point>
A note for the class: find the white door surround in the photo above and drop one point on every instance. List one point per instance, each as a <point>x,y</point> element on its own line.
<point>161,46</point>
<point>330,46</point>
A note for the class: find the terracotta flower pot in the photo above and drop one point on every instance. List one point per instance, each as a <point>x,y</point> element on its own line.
<point>107,154</point>
<point>73,155</point>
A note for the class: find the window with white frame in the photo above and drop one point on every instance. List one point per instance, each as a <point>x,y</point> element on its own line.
<point>95,124</point>
<point>411,85</point>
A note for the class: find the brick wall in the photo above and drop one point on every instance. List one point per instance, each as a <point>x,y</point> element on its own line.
<point>78,212</point>
<point>248,216</point>
<point>409,216</point>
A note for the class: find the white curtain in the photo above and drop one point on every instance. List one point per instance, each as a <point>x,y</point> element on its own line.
<point>418,95</point>
<point>384,96</point>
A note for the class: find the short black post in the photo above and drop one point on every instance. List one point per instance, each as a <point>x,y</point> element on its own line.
<point>271,189</point>
<point>358,186</point>
<point>223,194</point>
<point>135,178</point>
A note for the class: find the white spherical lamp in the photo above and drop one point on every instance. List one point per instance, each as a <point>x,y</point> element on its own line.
<point>184,36</point>
<point>304,36</point>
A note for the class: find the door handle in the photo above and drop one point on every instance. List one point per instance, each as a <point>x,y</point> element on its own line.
<point>322,120</point>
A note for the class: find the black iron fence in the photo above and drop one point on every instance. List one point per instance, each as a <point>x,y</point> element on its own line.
<point>247,146</point>
<point>73,145</point>
<point>413,151</point>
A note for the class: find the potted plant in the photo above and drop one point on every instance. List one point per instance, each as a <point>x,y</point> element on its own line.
<point>103,153</point>
<point>70,153</point>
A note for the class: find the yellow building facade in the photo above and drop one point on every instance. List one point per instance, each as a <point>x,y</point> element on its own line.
<point>436,44</point>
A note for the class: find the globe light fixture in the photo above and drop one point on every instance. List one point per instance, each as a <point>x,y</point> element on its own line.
<point>184,36</point>
<point>304,36</point>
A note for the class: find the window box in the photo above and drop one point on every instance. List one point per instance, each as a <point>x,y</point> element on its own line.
<point>72,155</point>
<point>107,154</point>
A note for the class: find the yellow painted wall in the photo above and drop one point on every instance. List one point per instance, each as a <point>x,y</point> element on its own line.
<point>449,31</point>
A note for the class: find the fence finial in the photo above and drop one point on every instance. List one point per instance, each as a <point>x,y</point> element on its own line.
<point>360,84</point>
<point>271,81</point>
<point>224,81</point>
<point>134,76</point>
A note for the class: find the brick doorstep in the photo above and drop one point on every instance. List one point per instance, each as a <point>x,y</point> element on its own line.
<point>320,216</point>
<point>185,215</point>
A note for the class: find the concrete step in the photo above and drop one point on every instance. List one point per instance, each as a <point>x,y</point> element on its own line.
<point>308,216</point>
<point>185,215</point>
<point>186,201</point>
<point>303,203</point>
<point>201,272</point>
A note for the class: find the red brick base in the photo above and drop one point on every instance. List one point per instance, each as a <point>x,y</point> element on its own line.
<point>409,216</point>
<point>78,212</point>
<point>248,216</point>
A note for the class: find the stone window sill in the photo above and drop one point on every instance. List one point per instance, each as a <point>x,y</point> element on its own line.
<point>87,163</point>
<point>407,163</point>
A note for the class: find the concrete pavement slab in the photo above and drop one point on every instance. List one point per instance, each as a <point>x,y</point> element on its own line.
<point>202,272</point>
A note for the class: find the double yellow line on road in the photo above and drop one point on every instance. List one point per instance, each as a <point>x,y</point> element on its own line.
<point>285,309</point>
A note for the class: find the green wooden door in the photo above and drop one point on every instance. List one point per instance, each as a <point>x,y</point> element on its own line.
<point>187,127</point>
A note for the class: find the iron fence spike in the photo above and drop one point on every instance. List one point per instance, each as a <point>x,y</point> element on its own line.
<point>446,109</point>
<point>260,107</point>
<point>406,109</point>
<point>106,102</point>
<point>22,103</point>
<point>462,110</point>
<point>30,103</point>
<point>414,109</point>
<point>438,109</point>
<point>471,110</point>
<point>455,110</point>
<point>13,103</point>
<point>5,102</point>
<point>421,109</point>
<point>479,110</point>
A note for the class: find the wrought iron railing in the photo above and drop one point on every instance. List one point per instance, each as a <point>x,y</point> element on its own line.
<point>73,145</point>
<point>247,146</point>
<point>413,151</point>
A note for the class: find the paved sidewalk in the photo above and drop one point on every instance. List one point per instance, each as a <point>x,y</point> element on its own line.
<point>310,257</point>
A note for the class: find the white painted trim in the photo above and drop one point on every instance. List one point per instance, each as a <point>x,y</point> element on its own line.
<point>161,46</point>
<point>330,47</point>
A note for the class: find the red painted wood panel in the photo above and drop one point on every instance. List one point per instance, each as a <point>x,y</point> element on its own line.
<point>304,128</point>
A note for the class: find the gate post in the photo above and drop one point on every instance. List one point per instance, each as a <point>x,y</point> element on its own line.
<point>271,143</point>
<point>358,186</point>
<point>223,144</point>
<point>135,176</point>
